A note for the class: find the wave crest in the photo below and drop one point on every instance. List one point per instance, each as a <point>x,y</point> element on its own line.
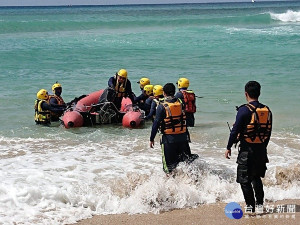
<point>288,16</point>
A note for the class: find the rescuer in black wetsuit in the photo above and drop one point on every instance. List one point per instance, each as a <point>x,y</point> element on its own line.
<point>189,99</point>
<point>56,101</point>
<point>122,87</point>
<point>43,109</point>
<point>141,99</point>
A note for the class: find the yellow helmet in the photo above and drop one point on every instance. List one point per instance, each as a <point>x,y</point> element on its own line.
<point>157,90</point>
<point>148,89</point>
<point>42,94</point>
<point>143,82</point>
<point>56,85</point>
<point>122,73</point>
<point>183,83</point>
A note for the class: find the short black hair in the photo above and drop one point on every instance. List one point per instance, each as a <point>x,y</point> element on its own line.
<point>169,89</point>
<point>253,89</point>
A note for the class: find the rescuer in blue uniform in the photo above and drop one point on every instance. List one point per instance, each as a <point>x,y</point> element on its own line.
<point>252,128</point>
<point>171,121</point>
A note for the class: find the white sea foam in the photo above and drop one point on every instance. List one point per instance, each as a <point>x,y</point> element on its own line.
<point>288,16</point>
<point>274,31</point>
<point>55,181</point>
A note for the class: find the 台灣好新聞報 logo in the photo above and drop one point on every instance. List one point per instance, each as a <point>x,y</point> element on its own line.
<point>233,211</point>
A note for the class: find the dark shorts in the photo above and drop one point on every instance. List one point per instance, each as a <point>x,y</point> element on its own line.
<point>251,162</point>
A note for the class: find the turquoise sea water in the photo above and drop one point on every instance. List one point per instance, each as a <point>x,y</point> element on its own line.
<point>219,47</point>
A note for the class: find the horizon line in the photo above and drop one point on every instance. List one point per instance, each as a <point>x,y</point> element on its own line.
<point>135,4</point>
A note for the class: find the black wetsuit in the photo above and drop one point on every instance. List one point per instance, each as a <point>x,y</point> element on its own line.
<point>140,100</point>
<point>128,91</point>
<point>57,109</point>
<point>47,107</point>
<point>148,104</point>
<point>153,108</point>
<point>251,160</point>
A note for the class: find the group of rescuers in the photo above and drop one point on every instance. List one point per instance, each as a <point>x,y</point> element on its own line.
<point>172,113</point>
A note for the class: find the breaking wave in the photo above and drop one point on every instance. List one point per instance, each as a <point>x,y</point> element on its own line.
<point>288,16</point>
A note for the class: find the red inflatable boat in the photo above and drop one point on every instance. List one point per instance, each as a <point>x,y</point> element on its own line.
<point>133,117</point>
<point>73,117</point>
<point>85,113</point>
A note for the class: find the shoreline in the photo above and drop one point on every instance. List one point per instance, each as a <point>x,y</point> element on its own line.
<point>204,214</point>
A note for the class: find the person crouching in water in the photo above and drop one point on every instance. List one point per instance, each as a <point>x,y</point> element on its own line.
<point>170,119</point>
<point>43,109</point>
<point>189,99</point>
<point>56,101</point>
<point>158,98</point>
<point>122,87</point>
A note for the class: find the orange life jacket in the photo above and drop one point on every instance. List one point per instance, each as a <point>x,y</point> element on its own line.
<point>175,121</point>
<point>260,127</point>
<point>190,101</point>
<point>60,101</point>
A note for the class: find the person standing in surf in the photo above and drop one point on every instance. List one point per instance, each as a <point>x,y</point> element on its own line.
<point>253,128</point>
<point>170,119</point>
<point>43,109</point>
<point>158,98</point>
<point>188,98</point>
<point>56,101</point>
<point>141,99</point>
